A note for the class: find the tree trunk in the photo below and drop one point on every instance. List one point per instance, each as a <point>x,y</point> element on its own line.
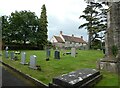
<point>90,41</point>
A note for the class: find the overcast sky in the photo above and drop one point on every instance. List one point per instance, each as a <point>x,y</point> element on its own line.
<point>63,15</point>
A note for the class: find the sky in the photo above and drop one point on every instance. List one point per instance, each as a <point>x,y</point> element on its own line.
<point>63,15</point>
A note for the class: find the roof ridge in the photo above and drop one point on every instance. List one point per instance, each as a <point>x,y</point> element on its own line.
<point>72,36</point>
<point>56,36</point>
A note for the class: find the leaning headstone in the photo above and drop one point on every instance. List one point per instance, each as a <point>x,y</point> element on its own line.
<point>23,58</point>
<point>12,55</point>
<point>57,54</point>
<point>84,78</point>
<point>6,54</point>
<point>73,52</point>
<point>33,62</point>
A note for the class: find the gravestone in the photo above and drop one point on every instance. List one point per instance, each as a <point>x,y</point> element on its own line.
<point>33,62</point>
<point>73,52</point>
<point>48,53</point>
<point>57,54</point>
<point>6,48</point>
<point>12,55</point>
<point>77,79</point>
<point>6,54</point>
<point>23,58</point>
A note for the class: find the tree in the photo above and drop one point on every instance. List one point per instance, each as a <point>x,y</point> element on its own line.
<point>6,33</point>
<point>95,16</point>
<point>43,27</point>
<point>23,26</point>
<point>96,44</point>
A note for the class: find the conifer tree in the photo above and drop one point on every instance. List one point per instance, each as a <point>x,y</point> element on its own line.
<point>96,20</point>
<point>43,26</point>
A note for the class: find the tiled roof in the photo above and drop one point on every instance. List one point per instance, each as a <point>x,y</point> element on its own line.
<point>59,39</point>
<point>73,39</point>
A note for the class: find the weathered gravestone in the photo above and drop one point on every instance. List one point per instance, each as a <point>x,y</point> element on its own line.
<point>23,58</point>
<point>73,52</point>
<point>57,54</point>
<point>6,48</point>
<point>33,62</point>
<point>6,54</point>
<point>77,79</point>
<point>47,54</point>
<point>12,56</point>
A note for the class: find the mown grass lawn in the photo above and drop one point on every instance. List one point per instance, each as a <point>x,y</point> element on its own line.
<point>53,68</point>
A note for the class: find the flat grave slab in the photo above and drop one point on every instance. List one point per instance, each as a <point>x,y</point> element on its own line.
<point>77,79</point>
<point>68,53</point>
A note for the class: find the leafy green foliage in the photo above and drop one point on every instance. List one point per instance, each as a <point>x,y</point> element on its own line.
<point>23,26</point>
<point>43,26</point>
<point>96,44</point>
<point>96,20</point>
<point>6,33</point>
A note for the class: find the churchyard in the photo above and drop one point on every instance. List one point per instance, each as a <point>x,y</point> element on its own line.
<point>48,69</point>
<point>65,68</point>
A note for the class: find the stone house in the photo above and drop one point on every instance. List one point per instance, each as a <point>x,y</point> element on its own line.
<point>68,41</point>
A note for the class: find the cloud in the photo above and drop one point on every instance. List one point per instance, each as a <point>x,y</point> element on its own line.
<point>69,27</point>
<point>62,14</point>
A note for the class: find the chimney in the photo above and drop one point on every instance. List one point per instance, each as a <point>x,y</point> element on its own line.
<point>81,37</point>
<point>61,32</point>
<point>72,35</point>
